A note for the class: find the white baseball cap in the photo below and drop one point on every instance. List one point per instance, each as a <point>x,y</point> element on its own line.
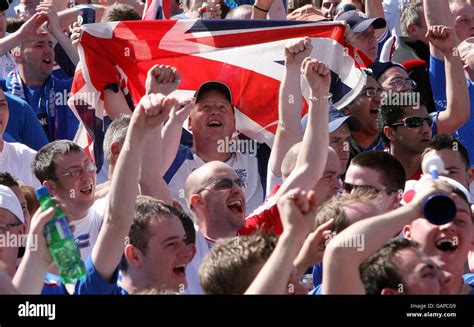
<point>9,201</point>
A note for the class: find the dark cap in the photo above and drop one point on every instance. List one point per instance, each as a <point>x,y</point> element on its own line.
<point>359,22</point>
<point>4,5</point>
<point>214,85</point>
<point>344,7</point>
<point>336,119</point>
<point>378,68</point>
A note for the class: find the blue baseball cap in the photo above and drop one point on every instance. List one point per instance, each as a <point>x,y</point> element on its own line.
<point>336,119</point>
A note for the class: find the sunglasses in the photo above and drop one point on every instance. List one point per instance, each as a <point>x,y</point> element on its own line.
<point>348,188</point>
<point>415,122</point>
<point>225,184</point>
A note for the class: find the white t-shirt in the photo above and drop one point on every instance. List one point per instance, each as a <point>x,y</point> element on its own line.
<point>87,229</point>
<point>7,64</point>
<point>272,180</point>
<point>192,269</point>
<point>245,166</point>
<point>16,159</point>
<point>393,12</point>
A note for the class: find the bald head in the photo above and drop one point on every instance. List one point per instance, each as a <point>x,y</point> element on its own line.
<point>289,162</point>
<point>204,175</point>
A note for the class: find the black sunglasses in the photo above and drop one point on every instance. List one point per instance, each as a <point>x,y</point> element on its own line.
<point>348,188</point>
<point>415,122</point>
<point>225,184</point>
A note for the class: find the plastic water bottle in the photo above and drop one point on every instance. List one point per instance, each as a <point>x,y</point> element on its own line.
<point>439,209</point>
<point>60,241</point>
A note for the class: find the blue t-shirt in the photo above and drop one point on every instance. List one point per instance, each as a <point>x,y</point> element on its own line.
<point>318,290</point>
<point>53,285</point>
<point>49,102</point>
<point>438,85</point>
<point>317,274</point>
<point>8,138</point>
<point>94,283</point>
<point>469,279</point>
<point>23,126</point>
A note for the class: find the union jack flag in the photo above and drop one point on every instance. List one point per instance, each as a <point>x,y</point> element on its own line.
<point>157,9</point>
<point>246,55</point>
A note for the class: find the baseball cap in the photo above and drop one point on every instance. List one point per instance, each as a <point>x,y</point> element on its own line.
<point>4,5</point>
<point>336,119</point>
<point>378,68</point>
<point>344,7</point>
<point>359,22</point>
<point>9,201</point>
<point>214,85</point>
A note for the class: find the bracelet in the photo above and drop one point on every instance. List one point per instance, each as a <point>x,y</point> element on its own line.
<point>260,8</point>
<point>324,97</point>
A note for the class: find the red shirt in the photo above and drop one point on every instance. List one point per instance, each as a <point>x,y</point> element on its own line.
<point>266,217</point>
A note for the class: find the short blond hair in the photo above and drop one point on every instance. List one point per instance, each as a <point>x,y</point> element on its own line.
<point>334,208</point>
<point>231,266</point>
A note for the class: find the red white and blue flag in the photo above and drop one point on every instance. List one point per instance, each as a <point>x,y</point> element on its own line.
<point>157,9</point>
<point>246,55</point>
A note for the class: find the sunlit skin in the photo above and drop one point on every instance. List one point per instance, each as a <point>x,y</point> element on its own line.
<point>433,240</point>
<point>339,140</point>
<point>463,20</point>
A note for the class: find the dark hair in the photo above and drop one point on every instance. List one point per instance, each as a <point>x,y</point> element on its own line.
<point>44,166</point>
<point>120,12</point>
<point>8,180</point>
<point>391,114</point>
<point>392,173</point>
<point>449,142</point>
<point>379,271</point>
<point>14,24</point>
<point>147,208</point>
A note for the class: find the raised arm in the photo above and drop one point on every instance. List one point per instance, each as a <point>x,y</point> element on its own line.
<point>29,276</point>
<point>373,9</point>
<point>289,130</point>
<point>165,79</point>
<point>57,31</point>
<point>457,95</point>
<point>297,211</point>
<point>437,13</point>
<point>261,8</point>
<point>31,28</point>
<point>312,157</point>
<point>312,251</point>
<point>115,103</point>
<point>150,113</point>
<point>341,264</point>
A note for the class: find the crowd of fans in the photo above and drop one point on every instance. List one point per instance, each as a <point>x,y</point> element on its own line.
<point>334,206</point>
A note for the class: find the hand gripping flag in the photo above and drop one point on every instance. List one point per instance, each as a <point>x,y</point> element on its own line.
<point>246,55</point>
